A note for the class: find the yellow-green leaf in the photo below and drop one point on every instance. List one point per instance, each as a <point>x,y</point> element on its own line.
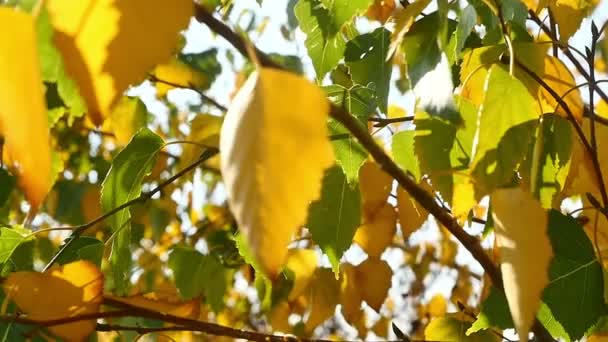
<point>127,117</point>
<point>108,45</point>
<point>452,327</point>
<point>302,262</point>
<point>23,118</point>
<point>324,296</point>
<point>270,176</point>
<point>178,73</point>
<point>525,252</point>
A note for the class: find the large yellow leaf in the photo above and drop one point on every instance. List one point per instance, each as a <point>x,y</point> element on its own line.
<point>66,291</point>
<point>23,118</point>
<point>107,45</point>
<point>525,252</point>
<point>303,263</point>
<point>274,151</point>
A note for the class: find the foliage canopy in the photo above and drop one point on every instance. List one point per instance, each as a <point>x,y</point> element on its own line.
<point>426,170</point>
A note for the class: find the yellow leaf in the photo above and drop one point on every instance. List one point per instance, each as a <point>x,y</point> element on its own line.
<point>279,317</point>
<point>163,303</point>
<point>559,78</point>
<point>380,328</point>
<point>23,117</point>
<point>108,45</point>
<point>270,177</point>
<point>127,117</point>
<point>411,214</point>
<point>374,277</point>
<point>463,199</point>
<point>67,291</point>
<point>375,184</point>
<point>91,203</point>
<point>204,132</point>
<point>452,327</point>
<point>381,10</point>
<point>378,229</point>
<point>404,19</point>
<point>350,296</point>
<point>179,73</point>
<point>303,263</point>
<point>324,296</point>
<point>437,306</point>
<point>521,236</point>
<point>568,15</point>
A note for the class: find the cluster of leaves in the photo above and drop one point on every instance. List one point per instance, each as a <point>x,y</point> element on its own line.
<point>333,206</point>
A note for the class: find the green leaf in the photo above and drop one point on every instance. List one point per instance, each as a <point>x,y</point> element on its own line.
<point>7,184</point>
<point>53,69</point>
<point>366,57</point>
<point>342,11</point>
<point>10,239</point>
<point>514,11</point>
<point>495,314</point>
<point>358,101</point>
<point>422,53</point>
<point>466,23</point>
<point>554,159</point>
<point>122,184</point>
<point>206,63</point>
<point>403,152</point>
<point>575,292</point>
<point>452,327</point>
<point>334,218</point>
<point>195,273</point>
<point>75,250</point>
<point>506,127</point>
<point>325,44</point>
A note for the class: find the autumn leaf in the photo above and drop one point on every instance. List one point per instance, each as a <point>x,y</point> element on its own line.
<point>23,118</point>
<point>377,229</point>
<point>99,41</point>
<point>374,276</point>
<point>375,184</point>
<point>67,291</point>
<point>411,214</point>
<point>127,117</point>
<point>178,73</point>
<point>303,263</point>
<point>522,238</point>
<point>560,79</point>
<point>324,296</point>
<point>381,10</point>
<point>270,178</point>
<point>350,293</point>
<point>452,327</point>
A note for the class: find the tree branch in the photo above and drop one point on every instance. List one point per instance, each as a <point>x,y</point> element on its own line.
<point>155,79</point>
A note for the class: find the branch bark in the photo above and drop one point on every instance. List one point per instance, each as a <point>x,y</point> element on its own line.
<point>471,243</point>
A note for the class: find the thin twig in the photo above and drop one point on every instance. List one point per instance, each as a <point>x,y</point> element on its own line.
<point>144,197</point>
<point>155,79</point>
<point>381,122</point>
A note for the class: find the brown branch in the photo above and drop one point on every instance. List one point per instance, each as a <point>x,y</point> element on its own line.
<point>381,122</point>
<point>426,200</point>
<point>144,197</point>
<point>155,79</point>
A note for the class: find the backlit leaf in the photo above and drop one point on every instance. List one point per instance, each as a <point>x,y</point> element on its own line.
<point>452,327</point>
<point>403,152</point>
<point>269,177</point>
<point>521,238</point>
<point>411,214</point>
<point>334,218</point>
<point>381,10</point>
<point>10,239</point>
<point>127,117</point>
<point>324,41</point>
<point>122,184</point>
<point>324,296</point>
<point>344,10</point>
<point>366,57</point>
<point>177,72</point>
<point>66,291</point>
<point>505,129</point>
<point>374,183</point>
<point>23,118</point>
<point>163,303</point>
<point>101,60</point>
<point>303,263</point>
<point>374,276</point>
<point>377,228</point>
<point>560,79</point>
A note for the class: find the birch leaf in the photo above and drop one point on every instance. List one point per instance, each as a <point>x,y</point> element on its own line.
<point>525,252</point>
<point>100,40</point>
<point>23,118</point>
<point>270,177</point>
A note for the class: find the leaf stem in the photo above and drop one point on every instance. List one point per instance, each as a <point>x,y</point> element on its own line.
<point>77,231</point>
